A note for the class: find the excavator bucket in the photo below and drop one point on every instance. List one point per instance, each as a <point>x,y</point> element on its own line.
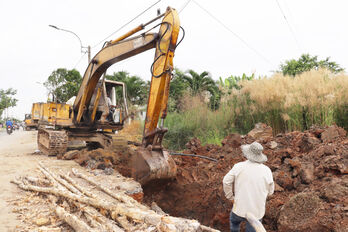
<point>150,165</point>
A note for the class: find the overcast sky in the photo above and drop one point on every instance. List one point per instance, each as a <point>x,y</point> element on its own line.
<point>223,37</point>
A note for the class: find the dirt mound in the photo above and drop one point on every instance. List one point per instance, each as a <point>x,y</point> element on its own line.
<point>309,169</point>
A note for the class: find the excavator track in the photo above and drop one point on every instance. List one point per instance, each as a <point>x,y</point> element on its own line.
<point>52,142</point>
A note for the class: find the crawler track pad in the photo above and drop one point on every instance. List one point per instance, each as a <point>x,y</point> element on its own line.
<point>52,142</point>
<point>152,165</point>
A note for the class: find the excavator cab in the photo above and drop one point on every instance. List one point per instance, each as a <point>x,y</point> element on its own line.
<point>27,116</point>
<point>117,99</point>
<point>110,103</point>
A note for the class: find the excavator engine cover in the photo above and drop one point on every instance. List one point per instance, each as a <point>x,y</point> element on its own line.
<point>150,165</point>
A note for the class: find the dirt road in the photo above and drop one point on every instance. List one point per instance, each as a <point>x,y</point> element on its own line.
<point>16,159</point>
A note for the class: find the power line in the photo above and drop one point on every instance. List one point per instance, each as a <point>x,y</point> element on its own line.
<point>184,6</point>
<point>79,61</point>
<point>288,9</point>
<point>235,34</point>
<point>127,23</point>
<point>290,28</point>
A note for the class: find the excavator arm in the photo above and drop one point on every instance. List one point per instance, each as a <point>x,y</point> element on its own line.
<point>161,75</point>
<point>150,161</point>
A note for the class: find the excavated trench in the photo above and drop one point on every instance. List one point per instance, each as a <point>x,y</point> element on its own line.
<point>196,192</point>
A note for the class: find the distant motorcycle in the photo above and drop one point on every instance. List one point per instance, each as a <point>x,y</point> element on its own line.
<point>9,130</point>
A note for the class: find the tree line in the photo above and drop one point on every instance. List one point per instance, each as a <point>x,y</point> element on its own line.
<point>63,83</point>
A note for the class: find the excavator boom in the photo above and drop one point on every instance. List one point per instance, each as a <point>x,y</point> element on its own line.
<point>108,56</point>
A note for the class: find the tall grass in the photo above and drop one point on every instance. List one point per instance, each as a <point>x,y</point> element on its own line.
<point>285,103</point>
<point>289,103</point>
<point>196,119</point>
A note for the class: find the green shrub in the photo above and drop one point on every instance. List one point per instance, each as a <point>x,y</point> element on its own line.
<point>197,120</point>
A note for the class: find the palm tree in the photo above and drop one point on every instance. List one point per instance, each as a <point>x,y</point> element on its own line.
<point>135,86</point>
<point>199,84</point>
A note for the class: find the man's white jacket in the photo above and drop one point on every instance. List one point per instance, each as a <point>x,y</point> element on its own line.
<point>248,184</point>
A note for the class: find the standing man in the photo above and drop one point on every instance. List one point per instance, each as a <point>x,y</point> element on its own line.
<point>248,183</point>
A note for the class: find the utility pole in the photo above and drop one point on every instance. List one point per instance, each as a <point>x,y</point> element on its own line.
<point>82,48</point>
<point>89,54</point>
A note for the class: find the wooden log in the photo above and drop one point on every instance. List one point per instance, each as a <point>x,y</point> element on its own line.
<point>77,224</point>
<point>178,224</point>
<point>80,188</point>
<point>208,229</point>
<point>107,225</point>
<point>122,220</point>
<point>136,214</point>
<point>92,213</point>
<point>60,180</point>
<point>157,209</point>
<point>120,196</point>
<point>94,224</point>
<point>49,177</point>
<point>37,181</point>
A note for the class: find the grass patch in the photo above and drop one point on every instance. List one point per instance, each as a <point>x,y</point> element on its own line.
<point>196,120</point>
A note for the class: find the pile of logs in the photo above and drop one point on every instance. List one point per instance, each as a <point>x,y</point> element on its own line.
<point>85,204</point>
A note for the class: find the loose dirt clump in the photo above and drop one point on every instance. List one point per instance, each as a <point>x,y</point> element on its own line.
<point>104,159</point>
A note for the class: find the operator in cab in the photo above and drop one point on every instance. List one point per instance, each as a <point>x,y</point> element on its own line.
<point>248,184</point>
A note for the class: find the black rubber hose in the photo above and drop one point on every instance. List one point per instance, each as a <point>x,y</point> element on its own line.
<point>193,155</point>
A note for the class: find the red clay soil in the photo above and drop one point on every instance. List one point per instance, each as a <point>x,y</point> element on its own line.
<point>310,170</point>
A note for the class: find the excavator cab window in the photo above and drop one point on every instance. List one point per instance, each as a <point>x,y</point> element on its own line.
<point>116,101</point>
<point>111,103</point>
<point>27,116</point>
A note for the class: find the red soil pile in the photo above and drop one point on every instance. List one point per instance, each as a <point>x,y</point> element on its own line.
<point>310,170</point>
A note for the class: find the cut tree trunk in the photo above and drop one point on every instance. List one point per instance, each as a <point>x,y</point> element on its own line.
<point>77,224</point>
<point>120,196</point>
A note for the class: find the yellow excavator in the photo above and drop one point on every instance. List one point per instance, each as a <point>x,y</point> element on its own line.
<point>31,121</point>
<point>96,114</point>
